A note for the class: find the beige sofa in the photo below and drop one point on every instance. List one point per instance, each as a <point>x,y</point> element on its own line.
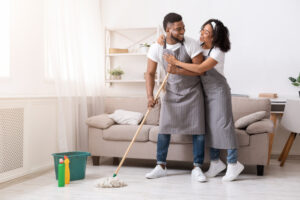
<point>111,140</point>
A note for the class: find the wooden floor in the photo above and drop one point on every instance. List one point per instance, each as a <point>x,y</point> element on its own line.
<point>278,183</point>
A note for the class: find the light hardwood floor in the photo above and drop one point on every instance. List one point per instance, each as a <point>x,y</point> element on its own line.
<point>278,183</point>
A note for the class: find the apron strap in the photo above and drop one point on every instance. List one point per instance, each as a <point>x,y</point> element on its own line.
<point>165,43</point>
<point>209,51</point>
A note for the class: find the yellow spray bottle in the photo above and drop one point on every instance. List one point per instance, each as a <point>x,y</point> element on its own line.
<point>67,170</point>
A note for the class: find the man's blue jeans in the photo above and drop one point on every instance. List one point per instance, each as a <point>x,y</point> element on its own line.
<point>163,142</point>
<point>231,155</point>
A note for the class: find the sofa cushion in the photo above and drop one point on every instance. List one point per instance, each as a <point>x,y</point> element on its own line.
<point>100,121</point>
<point>137,104</point>
<point>263,126</point>
<point>242,106</point>
<point>126,133</point>
<point>242,136</point>
<point>175,139</point>
<point>243,122</point>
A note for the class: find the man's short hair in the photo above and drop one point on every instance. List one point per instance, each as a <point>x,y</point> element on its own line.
<point>171,18</point>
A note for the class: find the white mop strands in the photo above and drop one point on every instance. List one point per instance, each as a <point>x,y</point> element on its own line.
<point>110,182</point>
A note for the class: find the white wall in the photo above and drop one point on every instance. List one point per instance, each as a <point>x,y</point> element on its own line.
<point>259,29</point>
<point>264,35</point>
<point>27,51</point>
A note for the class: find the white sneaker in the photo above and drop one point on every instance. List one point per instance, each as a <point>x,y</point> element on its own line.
<point>157,172</point>
<point>233,171</point>
<point>198,175</point>
<point>215,167</point>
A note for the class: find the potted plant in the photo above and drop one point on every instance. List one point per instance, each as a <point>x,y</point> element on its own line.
<point>295,81</point>
<point>144,47</point>
<point>116,74</point>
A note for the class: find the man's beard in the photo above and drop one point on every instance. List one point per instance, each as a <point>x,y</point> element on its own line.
<point>176,39</point>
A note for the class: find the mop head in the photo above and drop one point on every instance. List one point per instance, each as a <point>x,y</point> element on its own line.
<point>110,182</point>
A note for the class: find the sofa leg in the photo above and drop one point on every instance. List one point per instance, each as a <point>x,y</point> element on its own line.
<point>116,161</point>
<point>96,160</point>
<point>260,170</point>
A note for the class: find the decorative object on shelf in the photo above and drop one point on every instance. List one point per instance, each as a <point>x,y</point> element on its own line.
<point>144,47</point>
<point>295,81</point>
<point>116,74</point>
<point>268,95</point>
<point>114,50</point>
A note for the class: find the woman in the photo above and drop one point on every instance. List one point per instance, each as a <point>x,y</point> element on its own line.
<point>219,119</point>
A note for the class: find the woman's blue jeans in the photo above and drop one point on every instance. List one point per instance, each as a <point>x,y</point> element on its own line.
<point>231,155</point>
<point>163,142</point>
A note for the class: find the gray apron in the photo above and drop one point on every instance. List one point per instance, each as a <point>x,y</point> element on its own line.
<point>219,119</point>
<point>182,108</point>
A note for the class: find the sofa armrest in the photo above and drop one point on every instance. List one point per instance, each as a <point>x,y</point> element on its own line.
<point>100,121</point>
<point>262,126</point>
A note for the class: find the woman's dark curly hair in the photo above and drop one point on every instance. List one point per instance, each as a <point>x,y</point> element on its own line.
<point>220,35</point>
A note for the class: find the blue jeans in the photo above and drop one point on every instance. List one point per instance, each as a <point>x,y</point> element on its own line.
<point>163,142</point>
<point>231,155</point>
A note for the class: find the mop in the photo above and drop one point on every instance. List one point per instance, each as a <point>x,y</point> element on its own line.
<point>114,182</point>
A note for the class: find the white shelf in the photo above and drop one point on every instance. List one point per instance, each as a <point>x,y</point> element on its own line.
<point>127,81</point>
<point>126,54</point>
<point>278,103</point>
<point>130,29</point>
<point>276,112</point>
<point>129,38</point>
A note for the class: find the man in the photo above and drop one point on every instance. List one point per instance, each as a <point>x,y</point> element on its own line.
<point>182,110</point>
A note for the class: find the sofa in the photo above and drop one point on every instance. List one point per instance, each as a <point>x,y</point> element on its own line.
<point>106,138</point>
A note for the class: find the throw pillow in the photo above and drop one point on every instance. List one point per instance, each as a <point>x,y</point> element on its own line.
<point>262,126</point>
<point>126,117</point>
<point>100,121</point>
<point>243,122</point>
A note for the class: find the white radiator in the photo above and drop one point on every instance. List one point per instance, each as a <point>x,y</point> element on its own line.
<point>11,139</point>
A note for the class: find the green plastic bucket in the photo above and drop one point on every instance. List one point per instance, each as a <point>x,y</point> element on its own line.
<point>77,163</point>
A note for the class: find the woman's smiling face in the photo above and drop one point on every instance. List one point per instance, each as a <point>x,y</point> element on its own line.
<point>206,34</point>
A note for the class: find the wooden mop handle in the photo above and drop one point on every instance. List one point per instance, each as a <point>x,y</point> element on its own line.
<point>141,125</point>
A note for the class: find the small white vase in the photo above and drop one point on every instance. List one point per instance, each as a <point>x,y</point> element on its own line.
<point>144,49</point>
<point>116,77</point>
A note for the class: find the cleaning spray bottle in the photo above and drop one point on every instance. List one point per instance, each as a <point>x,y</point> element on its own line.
<point>61,173</point>
<point>67,170</point>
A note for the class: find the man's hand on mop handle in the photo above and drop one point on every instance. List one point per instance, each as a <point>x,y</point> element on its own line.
<point>151,102</point>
